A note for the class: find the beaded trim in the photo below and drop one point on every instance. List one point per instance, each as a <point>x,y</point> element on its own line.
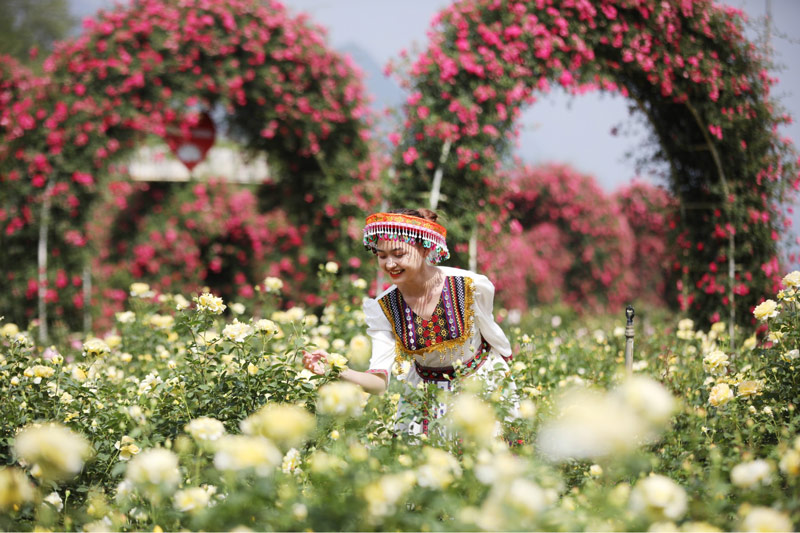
<point>410,229</point>
<point>449,372</point>
<point>454,314</point>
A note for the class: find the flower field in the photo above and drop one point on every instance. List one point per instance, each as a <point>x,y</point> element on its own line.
<point>195,413</point>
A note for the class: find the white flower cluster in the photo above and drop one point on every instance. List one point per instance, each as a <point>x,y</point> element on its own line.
<point>284,424</point>
<point>237,331</point>
<point>53,451</point>
<point>209,302</point>
<point>341,398</point>
<point>592,424</point>
<point>205,429</point>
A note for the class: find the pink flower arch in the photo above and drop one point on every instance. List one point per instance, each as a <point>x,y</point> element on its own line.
<point>687,67</point>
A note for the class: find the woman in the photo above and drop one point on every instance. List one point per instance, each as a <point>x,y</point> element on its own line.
<point>438,320</point>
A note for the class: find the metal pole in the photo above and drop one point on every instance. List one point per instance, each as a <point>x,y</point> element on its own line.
<point>437,176</point>
<point>87,297</point>
<point>44,226</point>
<point>629,340</point>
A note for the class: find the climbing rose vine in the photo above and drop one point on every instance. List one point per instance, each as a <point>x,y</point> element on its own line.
<point>687,67</point>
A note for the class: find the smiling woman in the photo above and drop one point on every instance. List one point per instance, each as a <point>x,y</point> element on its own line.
<point>434,326</point>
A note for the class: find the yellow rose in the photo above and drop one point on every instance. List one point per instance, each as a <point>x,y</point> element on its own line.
<point>286,425</point>
<point>766,309</point>
<point>337,361</point>
<point>9,330</point>
<point>721,394</point>
<point>15,488</point>
<point>790,463</point>
<point>792,279</point>
<point>209,302</point>
<point>273,284</point>
<point>715,362</point>
<point>95,348</point>
<point>162,321</point>
<point>127,448</point>
<point>56,451</point>
<point>360,349</point>
<point>140,290</point>
<point>750,387</point>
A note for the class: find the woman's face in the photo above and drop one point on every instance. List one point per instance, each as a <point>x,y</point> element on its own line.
<point>401,260</point>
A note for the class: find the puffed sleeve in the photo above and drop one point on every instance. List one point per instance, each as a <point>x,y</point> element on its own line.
<point>383,343</point>
<point>484,306</point>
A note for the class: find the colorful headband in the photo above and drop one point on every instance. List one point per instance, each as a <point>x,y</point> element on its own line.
<point>410,229</point>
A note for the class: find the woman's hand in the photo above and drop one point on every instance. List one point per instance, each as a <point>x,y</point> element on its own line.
<point>315,361</point>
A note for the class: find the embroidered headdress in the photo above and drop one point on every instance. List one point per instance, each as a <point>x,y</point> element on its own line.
<point>408,228</point>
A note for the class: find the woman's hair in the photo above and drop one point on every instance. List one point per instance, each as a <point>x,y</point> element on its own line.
<point>427,214</point>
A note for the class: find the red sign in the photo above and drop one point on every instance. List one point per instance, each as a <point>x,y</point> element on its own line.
<point>190,144</point>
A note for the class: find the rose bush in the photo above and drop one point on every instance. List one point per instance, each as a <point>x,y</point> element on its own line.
<point>171,235</point>
<point>687,67</point>
<point>563,237</point>
<point>139,70</point>
<point>205,422</point>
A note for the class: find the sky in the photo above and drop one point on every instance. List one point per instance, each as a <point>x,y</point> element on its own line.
<point>558,127</point>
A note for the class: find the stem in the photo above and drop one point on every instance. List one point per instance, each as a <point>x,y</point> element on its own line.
<point>58,384</point>
<point>437,175</point>
<point>185,403</point>
<point>87,298</point>
<point>726,203</point>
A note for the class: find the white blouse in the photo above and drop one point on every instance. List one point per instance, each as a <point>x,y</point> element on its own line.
<point>387,347</point>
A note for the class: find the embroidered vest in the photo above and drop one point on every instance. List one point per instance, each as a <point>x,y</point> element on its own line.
<point>449,326</point>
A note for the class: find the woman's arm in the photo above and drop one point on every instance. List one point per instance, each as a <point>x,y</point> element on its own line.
<point>372,383</point>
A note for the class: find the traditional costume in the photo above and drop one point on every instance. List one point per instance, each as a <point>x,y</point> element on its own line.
<point>460,338</point>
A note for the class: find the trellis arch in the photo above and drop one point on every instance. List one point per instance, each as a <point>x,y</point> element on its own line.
<point>688,67</point>
<point>140,68</point>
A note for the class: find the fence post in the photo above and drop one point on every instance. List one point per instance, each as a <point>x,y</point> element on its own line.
<point>629,313</point>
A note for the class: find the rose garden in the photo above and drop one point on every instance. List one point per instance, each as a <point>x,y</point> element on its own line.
<point>152,332</point>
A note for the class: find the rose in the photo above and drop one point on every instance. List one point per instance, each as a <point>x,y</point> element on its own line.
<point>751,473</point>
<point>15,488</point>
<point>56,451</point>
<point>140,290</point>
<point>715,362</point>
<point>792,279</point>
<point>237,331</point>
<point>337,361</point>
<point>272,284</point>
<point>154,470</point>
<point>750,387</point>
<point>473,419</point>
<point>765,519</point>
<point>209,302</point>
<point>127,448</point>
<point>205,428</point>
<point>720,395</point>
<point>265,326</point>
<point>766,309</point>
<point>658,497</point>
<point>191,499</point>
<point>244,452</point>
<point>95,348</point>
<point>286,425</point>
<point>340,399</point>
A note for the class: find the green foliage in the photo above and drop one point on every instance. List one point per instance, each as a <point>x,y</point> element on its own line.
<point>32,24</point>
<point>145,397</point>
